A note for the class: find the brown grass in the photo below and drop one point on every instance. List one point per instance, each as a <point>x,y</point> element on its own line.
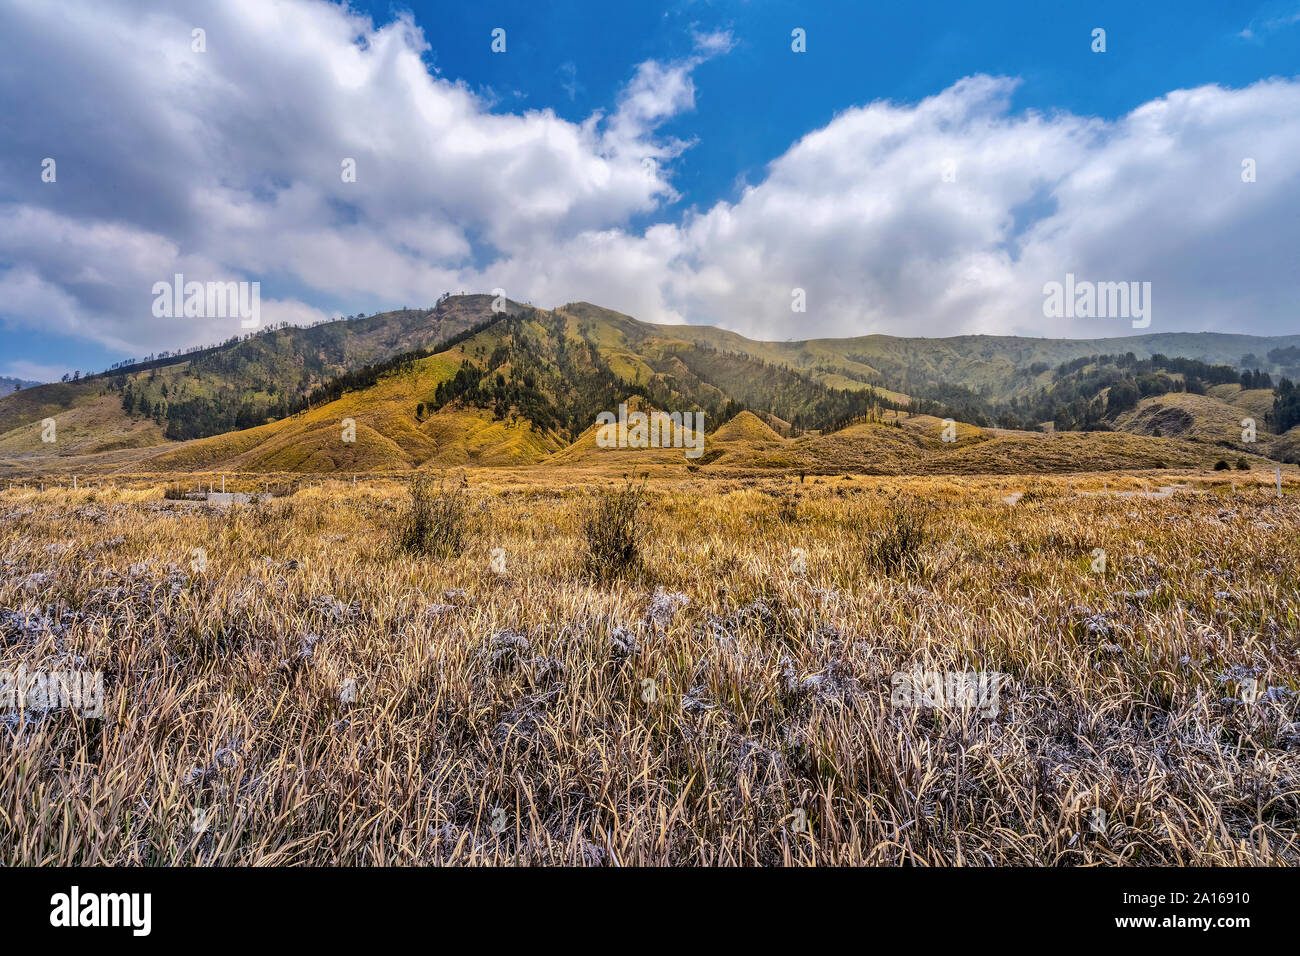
<point>694,711</point>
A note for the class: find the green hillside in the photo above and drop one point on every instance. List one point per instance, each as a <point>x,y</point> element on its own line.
<point>462,384</point>
<point>240,384</point>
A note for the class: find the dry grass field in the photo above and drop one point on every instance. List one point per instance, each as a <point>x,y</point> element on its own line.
<point>287,683</point>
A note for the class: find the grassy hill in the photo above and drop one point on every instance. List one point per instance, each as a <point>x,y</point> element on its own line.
<point>745,427</point>
<point>242,383</point>
<point>89,423</point>
<point>376,429</point>
<point>1000,366</point>
<point>915,446</point>
<point>461,385</point>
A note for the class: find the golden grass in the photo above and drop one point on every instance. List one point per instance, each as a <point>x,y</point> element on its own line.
<point>507,718</point>
<point>745,427</point>
<point>95,424</point>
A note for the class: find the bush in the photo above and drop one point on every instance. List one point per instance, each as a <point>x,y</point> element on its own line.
<point>787,509</point>
<point>435,522</point>
<point>612,530</point>
<point>897,536</point>
<point>1243,465</point>
<point>1221,465</point>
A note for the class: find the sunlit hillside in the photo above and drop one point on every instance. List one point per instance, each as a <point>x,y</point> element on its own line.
<point>466,384</point>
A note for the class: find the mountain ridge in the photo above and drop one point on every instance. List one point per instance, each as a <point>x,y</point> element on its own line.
<point>464,383</point>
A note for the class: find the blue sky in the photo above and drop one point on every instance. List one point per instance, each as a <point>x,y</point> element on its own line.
<point>678,162</point>
<point>756,101</point>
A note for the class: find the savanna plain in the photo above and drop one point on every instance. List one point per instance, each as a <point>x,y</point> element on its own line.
<point>543,667</point>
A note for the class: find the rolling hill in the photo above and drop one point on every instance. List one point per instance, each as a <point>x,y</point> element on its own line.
<point>461,385</point>
<point>241,383</point>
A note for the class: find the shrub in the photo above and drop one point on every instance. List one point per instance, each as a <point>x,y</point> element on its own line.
<point>435,521</point>
<point>612,530</point>
<point>1243,465</point>
<point>787,509</point>
<point>897,536</point>
<point>1221,465</point>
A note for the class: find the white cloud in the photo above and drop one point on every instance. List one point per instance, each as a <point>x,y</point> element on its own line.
<point>860,216</point>
<point>275,311</point>
<point>35,371</point>
<point>1260,27</point>
<point>226,165</point>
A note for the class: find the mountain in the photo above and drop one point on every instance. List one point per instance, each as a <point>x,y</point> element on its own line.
<point>9,384</point>
<point>244,382</point>
<point>462,385</point>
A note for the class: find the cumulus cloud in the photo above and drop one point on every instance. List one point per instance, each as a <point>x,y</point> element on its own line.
<point>949,216</point>
<point>938,217</point>
<point>230,163</point>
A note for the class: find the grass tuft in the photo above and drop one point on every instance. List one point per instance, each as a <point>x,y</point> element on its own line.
<point>897,535</point>
<point>612,528</point>
<point>435,519</point>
